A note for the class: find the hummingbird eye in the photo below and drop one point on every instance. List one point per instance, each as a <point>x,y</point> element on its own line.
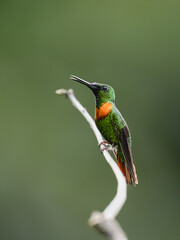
<point>105,89</point>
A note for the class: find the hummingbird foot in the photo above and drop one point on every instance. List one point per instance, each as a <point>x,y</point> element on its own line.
<point>104,143</point>
<point>108,147</point>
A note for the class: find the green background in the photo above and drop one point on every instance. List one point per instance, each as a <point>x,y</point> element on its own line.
<point>52,174</point>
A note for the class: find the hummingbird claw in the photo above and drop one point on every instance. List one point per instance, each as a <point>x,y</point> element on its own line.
<point>102,150</point>
<point>104,143</point>
<point>108,148</point>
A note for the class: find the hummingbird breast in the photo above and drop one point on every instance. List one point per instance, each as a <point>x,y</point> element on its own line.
<point>107,129</point>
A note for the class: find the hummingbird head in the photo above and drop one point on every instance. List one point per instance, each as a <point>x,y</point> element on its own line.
<point>103,93</point>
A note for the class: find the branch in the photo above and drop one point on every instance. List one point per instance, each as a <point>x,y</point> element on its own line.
<point>105,222</point>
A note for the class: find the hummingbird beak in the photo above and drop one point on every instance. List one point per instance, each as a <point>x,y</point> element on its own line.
<point>92,86</point>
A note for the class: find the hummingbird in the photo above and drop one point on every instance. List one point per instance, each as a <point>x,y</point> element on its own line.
<point>113,127</point>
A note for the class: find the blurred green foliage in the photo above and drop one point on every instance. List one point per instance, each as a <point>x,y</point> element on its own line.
<point>52,174</point>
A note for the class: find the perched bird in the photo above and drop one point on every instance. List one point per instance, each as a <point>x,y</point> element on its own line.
<point>113,127</point>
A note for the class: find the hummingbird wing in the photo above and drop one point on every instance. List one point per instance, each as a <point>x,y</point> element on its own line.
<point>124,139</point>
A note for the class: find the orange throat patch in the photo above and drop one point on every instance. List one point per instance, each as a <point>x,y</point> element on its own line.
<point>103,111</point>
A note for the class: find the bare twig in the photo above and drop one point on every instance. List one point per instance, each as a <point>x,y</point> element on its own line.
<point>105,222</point>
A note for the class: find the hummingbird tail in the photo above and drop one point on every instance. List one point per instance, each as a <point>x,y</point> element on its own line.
<point>124,170</point>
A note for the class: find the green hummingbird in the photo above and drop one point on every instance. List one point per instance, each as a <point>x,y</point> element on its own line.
<point>113,127</point>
